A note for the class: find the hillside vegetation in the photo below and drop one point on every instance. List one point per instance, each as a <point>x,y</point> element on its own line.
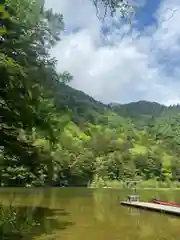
<point>52,134</point>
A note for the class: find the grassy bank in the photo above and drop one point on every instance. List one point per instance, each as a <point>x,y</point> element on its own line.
<point>99,182</point>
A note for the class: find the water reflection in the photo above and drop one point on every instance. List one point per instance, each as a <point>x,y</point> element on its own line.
<point>28,217</point>
<point>134,211</point>
<point>72,214</point>
<point>130,223</point>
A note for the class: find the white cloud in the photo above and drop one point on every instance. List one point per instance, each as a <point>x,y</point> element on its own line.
<point>133,68</point>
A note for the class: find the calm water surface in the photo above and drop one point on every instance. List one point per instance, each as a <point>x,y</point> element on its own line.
<point>78,213</point>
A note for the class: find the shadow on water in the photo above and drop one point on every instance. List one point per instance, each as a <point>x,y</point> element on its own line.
<point>28,222</point>
<point>25,222</point>
<point>49,214</point>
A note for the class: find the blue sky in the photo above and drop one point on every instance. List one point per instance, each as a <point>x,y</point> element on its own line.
<point>131,62</point>
<point>145,15</point>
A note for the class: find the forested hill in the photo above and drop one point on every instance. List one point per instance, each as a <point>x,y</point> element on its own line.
<point>85,108</point>
<point>52,134</point>
<point>82,107</point>
<point>139,109</point>
<point>144,113</point>
<point>141,136</point>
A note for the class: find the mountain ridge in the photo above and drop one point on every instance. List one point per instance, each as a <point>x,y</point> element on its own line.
<point>132,110</point>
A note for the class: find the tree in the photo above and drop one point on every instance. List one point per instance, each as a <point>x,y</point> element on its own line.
<point>28,76</point>
<point>112,6</point>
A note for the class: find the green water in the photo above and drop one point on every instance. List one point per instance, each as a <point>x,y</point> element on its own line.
<point>79,213</point>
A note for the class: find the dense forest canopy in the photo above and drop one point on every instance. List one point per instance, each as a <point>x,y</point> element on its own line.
<point>52,134</point>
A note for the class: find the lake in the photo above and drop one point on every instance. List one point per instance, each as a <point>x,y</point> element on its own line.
<point>81,213</point>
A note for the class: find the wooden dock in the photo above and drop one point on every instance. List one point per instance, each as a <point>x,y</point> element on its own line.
<point>153,207</point>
